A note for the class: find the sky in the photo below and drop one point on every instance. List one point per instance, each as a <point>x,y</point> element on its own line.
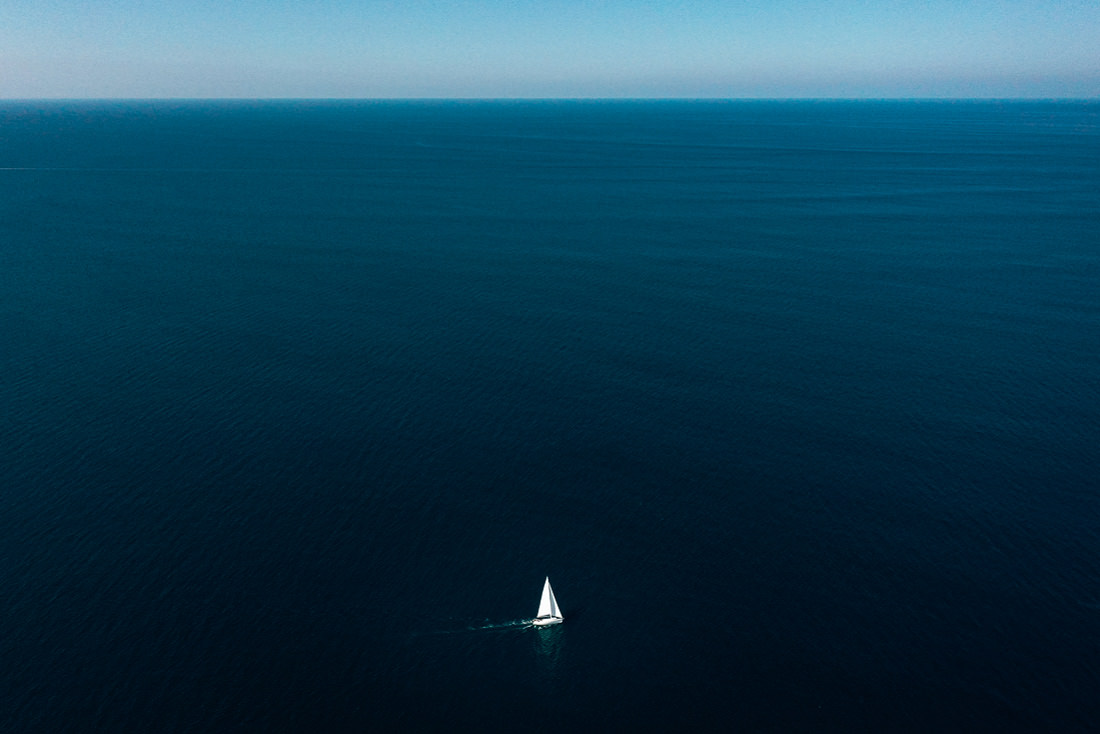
<point>548,48</point>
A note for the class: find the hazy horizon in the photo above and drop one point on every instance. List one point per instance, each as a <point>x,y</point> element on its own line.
<point>554,49</point>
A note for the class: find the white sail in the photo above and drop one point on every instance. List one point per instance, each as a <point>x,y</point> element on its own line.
<point>554,611</point>
<point>548,605</point>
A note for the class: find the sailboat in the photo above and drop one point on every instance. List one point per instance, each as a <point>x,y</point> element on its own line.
<point>548,608</point>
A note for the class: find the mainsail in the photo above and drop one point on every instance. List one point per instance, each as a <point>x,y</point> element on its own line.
<point>548,605</point>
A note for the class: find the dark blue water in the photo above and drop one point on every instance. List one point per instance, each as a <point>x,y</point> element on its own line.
<point>796,403</point>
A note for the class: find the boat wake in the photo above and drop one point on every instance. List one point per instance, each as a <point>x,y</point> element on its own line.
<point>486,626</point>
<point>549,614</point>
<point>514,624</point>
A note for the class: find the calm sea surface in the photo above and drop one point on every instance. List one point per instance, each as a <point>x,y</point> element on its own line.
<point>797,403</point>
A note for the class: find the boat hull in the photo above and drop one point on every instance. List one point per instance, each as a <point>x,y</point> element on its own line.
<point>546,621</point>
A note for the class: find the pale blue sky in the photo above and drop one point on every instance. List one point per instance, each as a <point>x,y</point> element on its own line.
<point>549,48</point>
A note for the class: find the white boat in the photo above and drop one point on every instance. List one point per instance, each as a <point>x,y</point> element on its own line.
<point>548,608</point>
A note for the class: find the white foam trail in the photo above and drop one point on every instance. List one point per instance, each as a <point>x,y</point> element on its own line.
<point>486,627</point>
<point>501,625</point>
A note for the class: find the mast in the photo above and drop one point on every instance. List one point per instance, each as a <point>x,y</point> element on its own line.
<point>553,602</point>
<point>546,603</point>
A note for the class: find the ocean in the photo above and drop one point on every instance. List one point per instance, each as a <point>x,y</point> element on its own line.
<point>795,402</point>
